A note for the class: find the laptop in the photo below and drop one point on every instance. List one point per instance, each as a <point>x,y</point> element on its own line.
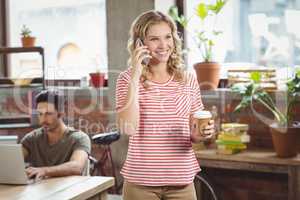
<point>8,139</point>
<point>12,170</point>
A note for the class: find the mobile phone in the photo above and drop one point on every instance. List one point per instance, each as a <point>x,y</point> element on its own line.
<point>140,43</point>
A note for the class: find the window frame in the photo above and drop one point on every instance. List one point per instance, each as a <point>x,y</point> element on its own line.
<point>6,70</point>
<point>4,34</point>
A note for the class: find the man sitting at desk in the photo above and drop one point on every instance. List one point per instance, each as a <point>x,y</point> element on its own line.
<point>54,149</point>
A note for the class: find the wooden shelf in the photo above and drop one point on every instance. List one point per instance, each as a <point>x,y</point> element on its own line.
<point>7,50</point>
<point>34,85</point>
<point>250,156</point>
<point>15,126</point>
<point>40,50</point>
<point>18,118</point>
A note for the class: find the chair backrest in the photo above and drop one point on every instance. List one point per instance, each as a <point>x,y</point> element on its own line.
<point>86,170</point>
<point>92,164</point>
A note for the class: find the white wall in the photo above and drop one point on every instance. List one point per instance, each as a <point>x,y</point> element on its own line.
<point>163,5</point>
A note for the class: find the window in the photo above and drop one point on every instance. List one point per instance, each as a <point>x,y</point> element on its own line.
<point>72,32</point>
<point>225,22</point>
<point>261,32</point>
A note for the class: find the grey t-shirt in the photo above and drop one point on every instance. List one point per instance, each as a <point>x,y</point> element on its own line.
<point>41,153</point>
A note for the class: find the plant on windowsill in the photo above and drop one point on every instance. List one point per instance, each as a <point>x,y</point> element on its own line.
<point>285,130</point>
<point>208,71</point>
<point>26,39</point>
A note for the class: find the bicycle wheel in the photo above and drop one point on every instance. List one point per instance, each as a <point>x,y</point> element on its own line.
<point>204,188</point>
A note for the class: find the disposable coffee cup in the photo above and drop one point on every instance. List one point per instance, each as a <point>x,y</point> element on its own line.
<point>202,118</point>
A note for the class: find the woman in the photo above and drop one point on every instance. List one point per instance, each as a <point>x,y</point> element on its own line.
<point>155,102</point>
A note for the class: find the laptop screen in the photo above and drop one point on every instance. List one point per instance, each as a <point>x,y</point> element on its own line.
<point>8,139</point>
<point>12,170</point>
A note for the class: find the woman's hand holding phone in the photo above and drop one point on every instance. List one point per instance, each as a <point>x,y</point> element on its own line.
<point>141,56</point>
<point>146,60</point>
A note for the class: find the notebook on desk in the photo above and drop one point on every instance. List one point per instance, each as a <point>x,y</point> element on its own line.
<point>12,170</point>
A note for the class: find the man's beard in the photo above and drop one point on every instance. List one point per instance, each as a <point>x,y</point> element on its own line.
<point>49,127</point>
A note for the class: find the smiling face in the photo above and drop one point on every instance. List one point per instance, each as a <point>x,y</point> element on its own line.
<point>160,42</point>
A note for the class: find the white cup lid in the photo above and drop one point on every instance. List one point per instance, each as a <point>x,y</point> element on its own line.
<point>202,114</point>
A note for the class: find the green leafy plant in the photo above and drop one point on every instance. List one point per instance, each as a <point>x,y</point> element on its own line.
<point>254,92</point>
<point>25,31</point>
<point>205,38</point>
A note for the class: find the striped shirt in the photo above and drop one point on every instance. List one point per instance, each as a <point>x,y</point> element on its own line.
<point>160,153</point>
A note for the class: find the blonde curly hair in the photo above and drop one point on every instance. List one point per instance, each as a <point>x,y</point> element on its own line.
<point>139,29</point>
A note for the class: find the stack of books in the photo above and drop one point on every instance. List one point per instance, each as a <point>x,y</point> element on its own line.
<point>233,138</point>
<point>243,74</point>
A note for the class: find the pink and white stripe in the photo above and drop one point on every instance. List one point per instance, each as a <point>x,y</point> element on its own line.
<point>160,153</point>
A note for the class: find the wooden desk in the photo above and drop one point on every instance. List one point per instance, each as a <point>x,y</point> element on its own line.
<point>257,161</point>
<point>72,187</point>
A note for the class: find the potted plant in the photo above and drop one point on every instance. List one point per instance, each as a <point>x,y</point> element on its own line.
<point>97,79</point>
<point>27,39</point>
<point>284,129</point>
<point>208,71</point>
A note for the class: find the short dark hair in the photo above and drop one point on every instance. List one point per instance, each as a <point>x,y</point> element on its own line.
<point>51,96</point>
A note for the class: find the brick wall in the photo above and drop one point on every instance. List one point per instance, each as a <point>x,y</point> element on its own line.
<point>246,185</point>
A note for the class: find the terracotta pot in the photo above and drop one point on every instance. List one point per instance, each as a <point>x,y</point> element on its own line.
<point>208,75</point>
<point>285,140</point>
<point>28,41</point>
<point>97,79</point>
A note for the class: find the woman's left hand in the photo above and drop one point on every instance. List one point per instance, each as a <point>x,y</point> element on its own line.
<point>207,133</point>
<point>209,130</point>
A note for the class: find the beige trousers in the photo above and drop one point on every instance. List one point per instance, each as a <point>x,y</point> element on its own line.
<point>138,192</point>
